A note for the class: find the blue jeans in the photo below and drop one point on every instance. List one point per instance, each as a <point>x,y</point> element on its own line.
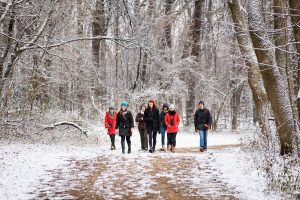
<point>203,138</point>
<point>163,133</point>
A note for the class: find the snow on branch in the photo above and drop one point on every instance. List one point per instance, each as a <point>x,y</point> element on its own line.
<point>82,130</point>
<point>115,39</point>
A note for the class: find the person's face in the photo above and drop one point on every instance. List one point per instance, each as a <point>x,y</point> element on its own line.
<point>165,108</point>
<point>143,108</point>
<point>123,108</point>
<point>111,111</point>
<point>201,106</point>
<point>151,104</point>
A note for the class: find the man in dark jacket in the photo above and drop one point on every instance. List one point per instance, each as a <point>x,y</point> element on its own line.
<point>151,116</point>
<point>202,122</point>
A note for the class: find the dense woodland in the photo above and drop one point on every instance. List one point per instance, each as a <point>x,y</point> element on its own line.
<point>241,57</point>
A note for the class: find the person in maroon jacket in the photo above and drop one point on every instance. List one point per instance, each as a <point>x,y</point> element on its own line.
<point>142,127</point>
<point>110,125</point>
<point>172,121</point>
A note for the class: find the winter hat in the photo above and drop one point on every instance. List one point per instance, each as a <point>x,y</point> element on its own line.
<point>124,104</point>
<point>165,105</point>
<point>111,108</point>
<point>201,102</point>
<point>151,100</point>
<point>172,107</point>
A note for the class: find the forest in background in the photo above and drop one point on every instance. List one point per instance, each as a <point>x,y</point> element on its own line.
<point>76,58</point>
<point>241,57</point>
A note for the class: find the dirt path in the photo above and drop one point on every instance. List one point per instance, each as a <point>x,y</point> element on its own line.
<point>184,175</point>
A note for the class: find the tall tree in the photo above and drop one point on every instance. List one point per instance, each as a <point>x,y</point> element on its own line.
<point>260,99</point>
<point>273,80</point>
<point>195,29</point>
<point>295,18</point>
<point>99,27</point>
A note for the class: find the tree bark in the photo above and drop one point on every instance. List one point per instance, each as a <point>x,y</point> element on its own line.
<point>273,80</point>
<point>235,103</point>
<point>98,46</point>
<point>255,82</point>
<point>295,19</point>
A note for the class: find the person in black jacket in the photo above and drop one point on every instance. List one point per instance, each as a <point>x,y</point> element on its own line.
<point>202,121</point>
<point>151,116</point>
<point>125,126</point>
<point>163,127</point>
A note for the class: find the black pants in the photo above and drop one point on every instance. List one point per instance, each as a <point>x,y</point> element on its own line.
<point>144,139</point>
<point>152,138</point>
<point>112,140</point>
<point>172,139</point>
<point>127,138</point>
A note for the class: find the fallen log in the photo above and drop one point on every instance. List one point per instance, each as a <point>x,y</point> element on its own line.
<point>82,130</point>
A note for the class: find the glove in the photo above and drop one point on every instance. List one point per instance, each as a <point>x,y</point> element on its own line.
<point>205,125</point>
<point>196,130</point>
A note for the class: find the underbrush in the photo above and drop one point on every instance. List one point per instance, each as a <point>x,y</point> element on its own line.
<point>282,173</point>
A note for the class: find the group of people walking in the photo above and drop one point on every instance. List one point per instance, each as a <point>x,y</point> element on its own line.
<point>152,121</point>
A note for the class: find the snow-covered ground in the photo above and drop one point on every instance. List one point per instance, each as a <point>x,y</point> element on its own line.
<point>24,167</point>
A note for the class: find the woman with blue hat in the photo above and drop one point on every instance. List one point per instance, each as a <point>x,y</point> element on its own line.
<point>125,126</point>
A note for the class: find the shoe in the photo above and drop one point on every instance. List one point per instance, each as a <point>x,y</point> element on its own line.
<point>168,147</point>
<point>123,147</point>
<point>202,149</point>
<point>173,149</point>
<point>151,150</point>
<point>111,148</point>
<point>163,148</point>
<point>129,147</point>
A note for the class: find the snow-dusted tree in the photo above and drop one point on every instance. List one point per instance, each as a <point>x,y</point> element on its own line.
<point>259,95</point>
<point>274,82</point>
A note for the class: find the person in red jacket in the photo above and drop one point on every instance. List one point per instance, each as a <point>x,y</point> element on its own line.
<point>172,121</point>
<point>110,125</point>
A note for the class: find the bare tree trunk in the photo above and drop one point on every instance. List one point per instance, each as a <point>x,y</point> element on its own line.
<point>255,82</point>
<point>273,80</point>
<point>235,103</point>
<point>195,51</point>
<point>295,18</point>
<point>98,46</point>
<point>168,27</point>
<point>281,51</point>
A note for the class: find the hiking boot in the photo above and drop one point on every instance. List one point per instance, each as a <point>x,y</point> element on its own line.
<point>173,149</point>
<point>163,148</point>
<point>151,150</point>
<point>202,149</point>
<point>129,147</point>
<point>123,147</point>
<point>168,147</point>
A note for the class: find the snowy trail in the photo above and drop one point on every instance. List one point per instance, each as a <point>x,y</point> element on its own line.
<point>68,172</point>
<point>137,176</point>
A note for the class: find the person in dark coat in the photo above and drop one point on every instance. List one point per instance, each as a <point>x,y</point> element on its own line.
<point>202,122</point>
<point>142,127</point>
<point>151,116</point>
<point>163,127</point>
<point>110,125</point>
<point>125,126</point>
